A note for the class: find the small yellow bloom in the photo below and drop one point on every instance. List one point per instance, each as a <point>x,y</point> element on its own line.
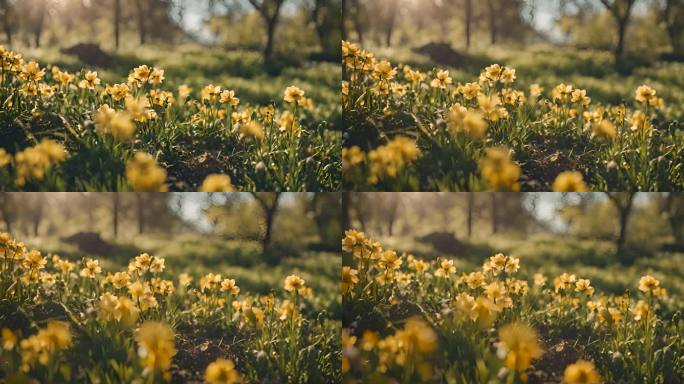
<point>216,183</point>
<point>221,371</point>
<point>569,181</point>
<point>144,174</point>
<point>581,372</point>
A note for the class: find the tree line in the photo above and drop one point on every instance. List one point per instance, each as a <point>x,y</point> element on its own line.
<point>378,21</point>
<point>159,20</point>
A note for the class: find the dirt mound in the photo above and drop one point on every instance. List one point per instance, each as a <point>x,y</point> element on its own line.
<point>444,242</point>
<point>442,54</point>
<point>90,242</point>
<point>90,54</point>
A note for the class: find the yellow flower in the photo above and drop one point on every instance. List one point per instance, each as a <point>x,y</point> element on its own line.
<point>486,311</point>
<point>518,347</point>
<point>184,279</point>
<point>31,72</point>
<point>228,285</point>
<point>384,71</point>
<point>446,268</point>
<point>92,268</point>
<point>251,130</point>
<point>465,306</point>
<point>388,160</point>
<point>184,91</point>
<point>118,92</point>
<point>288,122</point>
<point>640,122</point>
<point>536,90</point>
<point>216,183</point>
<point>157,76</point>
<point>470,91</point>
<point>580,96</point>
<point>499,171</point>
<point>508,75</point>
<point>106,307</point>
<point>228,97</point>
<point>641,310</point>
<point>157,264</point>
<point>293,94</point>
<point>604,129</point>
<point>5,158</point>
<point>581,372</point>
<point>648,284</point>
<point>462,120</point>
<point>441,80</point>
<point>539,280</point>
<point>349,279</point>
<point>294,283</point>
<point>118,124</point>
<point>8,339</point>
<point>144,174</point>
<point>417,335</point>
<point>389,260</point>
<point>584,286</point>
<point>287,310</point>
<point>155,345</point>
<point>210,92</point>
<point>90,80</point>
<point>644,94</point>
<point>221,371</point>
<point>569,181</point>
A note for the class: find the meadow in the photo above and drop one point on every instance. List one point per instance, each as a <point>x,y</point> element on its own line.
<point>196,309</point>
<point>538,309</point>
<point>535,119</point>
<point>182,118</point>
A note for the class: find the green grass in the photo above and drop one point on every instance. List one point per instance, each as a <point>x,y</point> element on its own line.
<point>190,138</point>
<point>543,135</point>
<point>303,349</point>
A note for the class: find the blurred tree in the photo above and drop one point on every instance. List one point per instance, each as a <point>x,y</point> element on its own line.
<point>117,29</point>
<point>116,208</point>
<point>621,10</point>
<point>327,18</point>
<point>325,208</point>
<point>623,203</point>
<point>268,202</point>
<point>8,19</point>
<point>672,15</point>
<point>468,21</point>
<point>673,208</point>
<point>8,209</point>
<point>270,13</point>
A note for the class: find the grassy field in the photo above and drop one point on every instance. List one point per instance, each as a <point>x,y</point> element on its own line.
<point>538,310</point>
<point>159,102</point>
<point>161,327</point>
<point>416,125</point>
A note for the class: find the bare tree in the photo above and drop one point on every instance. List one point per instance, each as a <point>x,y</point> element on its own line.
<point>672,15</point>
<point>270,13</point>
<point>468,26</point>
<point>7,15</point>
<point>623,203</point>
<point>142,10</point>
<point>116,207</point>
<point>621,10</point>
<point>268,201</point>
<point>117,23</point>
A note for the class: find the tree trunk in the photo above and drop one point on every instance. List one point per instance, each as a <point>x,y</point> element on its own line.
<point>116,205</point>
<point>471,204</point>
<point>623,203</point>
<point>492,22</point>
<point>346,214</point>
<point>117,23</point>
<point>270,36</point>
<point>468,22</point>
<point>141,213</point>
<point>495,213</point>
<point>620,48</point>
<point>142,32</point>
<point>38,215</point>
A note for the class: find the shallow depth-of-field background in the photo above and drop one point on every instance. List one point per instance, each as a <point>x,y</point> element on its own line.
<point>547,43</point>
<point>196,43</point>
<point>550,234</point>
<point>197,235</point>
